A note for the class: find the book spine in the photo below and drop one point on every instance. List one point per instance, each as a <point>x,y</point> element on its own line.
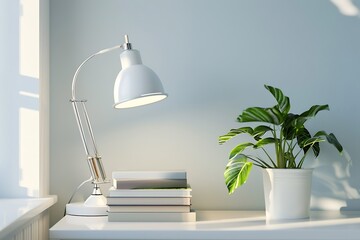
<point>149,175</point>
<point>147,209</point>
<point>149,183</point>
<point>152,217</point>
<point>149,192</point>
<point>151,201</point>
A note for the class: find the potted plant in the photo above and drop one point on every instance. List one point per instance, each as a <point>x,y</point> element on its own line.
<point>287,186</point>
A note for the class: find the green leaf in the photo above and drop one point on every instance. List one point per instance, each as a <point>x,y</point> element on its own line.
<point>295,121</point>
<point>237,172</point>
<point>331,139</point>
<point>258,114</point>
<point>302,135</point>
<point>233,133</point>
<point>312,143</point>
<point>263,142</point>
<point>239,148</point>
<point>289,127</point>
<point>316,149</point>
<point>259,131</point>
<point>313,111</point>
<point>283,101</point>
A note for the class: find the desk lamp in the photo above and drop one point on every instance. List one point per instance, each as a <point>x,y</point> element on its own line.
<point>135,85</point>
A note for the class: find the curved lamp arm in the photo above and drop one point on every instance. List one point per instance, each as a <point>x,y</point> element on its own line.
<point>94,160</point>
<point>125,46</point>
<point>73,85</point>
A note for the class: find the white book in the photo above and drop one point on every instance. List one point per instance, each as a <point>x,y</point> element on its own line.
<point>149,175</point>
<point>148,201</point>
<point>162,192</point>
<point>152,217</point>
<point>156,209</point>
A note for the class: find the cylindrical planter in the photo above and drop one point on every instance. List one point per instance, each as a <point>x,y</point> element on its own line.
<point>287,193</point>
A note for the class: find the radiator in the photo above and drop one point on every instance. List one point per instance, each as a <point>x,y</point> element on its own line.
<point>36,229</point>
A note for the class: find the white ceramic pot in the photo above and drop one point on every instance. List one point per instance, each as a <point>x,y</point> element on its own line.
<point>287,193</point>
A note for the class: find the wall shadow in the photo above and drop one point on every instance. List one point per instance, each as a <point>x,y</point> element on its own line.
<point>334,184</point>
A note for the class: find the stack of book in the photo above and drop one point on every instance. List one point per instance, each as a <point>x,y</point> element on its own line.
<point>148,196</point>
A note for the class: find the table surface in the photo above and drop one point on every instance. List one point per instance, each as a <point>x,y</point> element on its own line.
<point>215,225</point>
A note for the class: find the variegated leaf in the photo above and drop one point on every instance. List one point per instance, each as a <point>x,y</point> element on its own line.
<point>258,114</point>
<point>237,172</point>
<point>259,131</point>
<point>302,135</point>
<point>313,111</point>
<point>264,142</point>
<point>233,133</point>
<point>239,149</point>
<point>282,100</point>
<point>331,139</point>
<point>289,127</point>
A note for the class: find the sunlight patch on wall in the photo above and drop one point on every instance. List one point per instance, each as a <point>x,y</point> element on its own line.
<point>346,7</point>
<point>29,117</point>
<point>29,38</point>
<point>326,203</point>
<point>28,94</point>
<point>29,150</point>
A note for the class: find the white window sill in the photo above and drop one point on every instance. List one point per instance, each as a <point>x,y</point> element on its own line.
<point>15,212</point>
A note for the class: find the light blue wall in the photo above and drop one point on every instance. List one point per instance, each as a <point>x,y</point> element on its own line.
<point>213,58</point>
<point>10,100</point>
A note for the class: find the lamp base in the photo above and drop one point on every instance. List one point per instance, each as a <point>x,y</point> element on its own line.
<point>95,205</point>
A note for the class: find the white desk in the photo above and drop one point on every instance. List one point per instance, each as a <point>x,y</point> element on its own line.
<point>215,225</point>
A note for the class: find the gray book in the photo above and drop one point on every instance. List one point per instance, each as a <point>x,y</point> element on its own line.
<point>149,183</point>
<point>149,175</point>
<point>162,192</point>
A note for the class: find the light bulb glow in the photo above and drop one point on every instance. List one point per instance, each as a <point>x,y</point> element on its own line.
<point>142,100</point>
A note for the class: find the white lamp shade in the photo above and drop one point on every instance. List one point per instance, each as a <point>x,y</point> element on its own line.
<point>136,84</point>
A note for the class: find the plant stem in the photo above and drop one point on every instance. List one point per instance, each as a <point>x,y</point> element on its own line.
<point>301,161</point>
<point>279,150</point>
<point>259,161</point>
<point>276,147</point>
<point>269,157</point>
